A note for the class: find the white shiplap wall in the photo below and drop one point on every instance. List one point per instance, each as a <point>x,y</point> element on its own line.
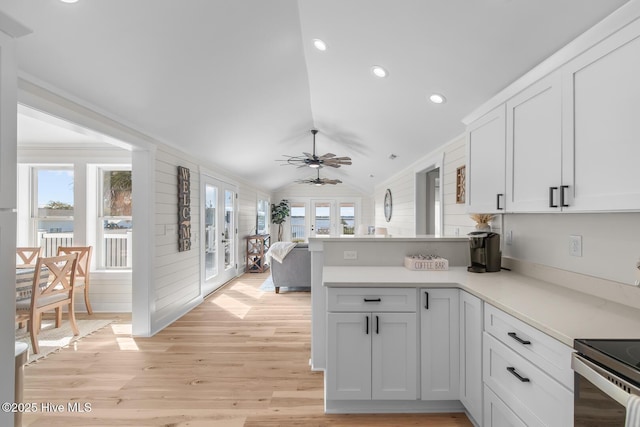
<point>176,274</point>
<point>402,185</point>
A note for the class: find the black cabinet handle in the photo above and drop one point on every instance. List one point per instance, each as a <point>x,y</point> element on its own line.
<point>378,325</point>
<point>517,338</point>
<point>372,300</point>
<point>367,325</point>
<point>498,196</point>
<point>562,198</point>
<point>551,191</point>
<point>517,375</point>
<point>426,300</point>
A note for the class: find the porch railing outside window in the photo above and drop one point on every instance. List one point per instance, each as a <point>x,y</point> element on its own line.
<point>117,246</point>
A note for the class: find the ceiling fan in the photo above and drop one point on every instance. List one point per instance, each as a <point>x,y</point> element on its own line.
<point>315,161</point>
<point>319,181</point>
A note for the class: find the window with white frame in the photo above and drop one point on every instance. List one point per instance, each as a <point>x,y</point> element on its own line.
<point>115,225</point>
<point>347,218</point>
<point>298,214</point>
<point>52,207</point>
<point>262,221</point>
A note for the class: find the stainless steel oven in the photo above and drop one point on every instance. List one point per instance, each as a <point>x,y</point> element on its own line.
<point>606,372</point>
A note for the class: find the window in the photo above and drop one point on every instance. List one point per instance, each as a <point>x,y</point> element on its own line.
<point>52,207</point>
<point>114,216</point>
<point>298,213</point>
<point>347,218</point>
<point>262,221</point>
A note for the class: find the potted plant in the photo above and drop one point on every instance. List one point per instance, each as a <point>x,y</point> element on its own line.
<point>279,214</point>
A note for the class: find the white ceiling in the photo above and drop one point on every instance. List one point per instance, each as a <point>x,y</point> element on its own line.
<point>238,83</point>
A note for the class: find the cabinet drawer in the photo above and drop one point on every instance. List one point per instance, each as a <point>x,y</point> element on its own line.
<point>531,394</point>
<point>371,299</point>
<point>549,354</point>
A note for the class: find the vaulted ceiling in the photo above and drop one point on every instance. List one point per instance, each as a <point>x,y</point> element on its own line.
<point>238,83</point>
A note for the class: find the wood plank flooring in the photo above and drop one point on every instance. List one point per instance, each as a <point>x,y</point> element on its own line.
<point>239,359</point>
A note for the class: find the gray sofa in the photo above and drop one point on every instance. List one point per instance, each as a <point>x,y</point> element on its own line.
<point>295,269</point>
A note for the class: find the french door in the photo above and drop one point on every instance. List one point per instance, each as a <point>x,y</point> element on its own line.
<point>220,234</point>
<point>323,218</point>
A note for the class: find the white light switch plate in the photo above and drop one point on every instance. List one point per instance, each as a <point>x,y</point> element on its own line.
<point>575,246</point>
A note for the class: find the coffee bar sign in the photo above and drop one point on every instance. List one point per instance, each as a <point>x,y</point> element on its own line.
<point>184,209</point>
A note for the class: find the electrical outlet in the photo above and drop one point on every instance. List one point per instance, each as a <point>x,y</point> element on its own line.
<point>350,255</point>
<point>509,237</point>
<point>575,246</point>
<point>457,231</point>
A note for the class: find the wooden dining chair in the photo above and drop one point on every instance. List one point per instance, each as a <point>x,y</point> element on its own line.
<point>83,269</point>
<point>27,256</point>
<point>56,293</point>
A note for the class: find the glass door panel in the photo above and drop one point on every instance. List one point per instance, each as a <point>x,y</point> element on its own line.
<point>228,239</point>
<point>322,219</point>
<point>210,241</point>
<point>298,221</point>
<point>219,234</point>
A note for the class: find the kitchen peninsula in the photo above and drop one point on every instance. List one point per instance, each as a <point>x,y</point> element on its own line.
<point>465,326</point>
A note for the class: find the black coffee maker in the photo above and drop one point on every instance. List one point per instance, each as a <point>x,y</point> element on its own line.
<point>485,252</point>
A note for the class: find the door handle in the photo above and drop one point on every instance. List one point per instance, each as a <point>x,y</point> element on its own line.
<point>552,190</point>
<point>426,300</point>
<point>367,322</point>
<point>372,300</point>
<point>498,196</point>
<point>377,325</point>
<point>563,188</point>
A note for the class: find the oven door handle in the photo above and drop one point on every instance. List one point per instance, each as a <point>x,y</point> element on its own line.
<point>598,377</point>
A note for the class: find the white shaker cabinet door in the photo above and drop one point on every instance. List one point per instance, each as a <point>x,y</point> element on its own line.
<point>471,354</point>
<point>348,374</point>
<point>394,356</point>
<point>534,148</point>
<point>440,344</point>
<point>602,129</point>
<point>485,175</point>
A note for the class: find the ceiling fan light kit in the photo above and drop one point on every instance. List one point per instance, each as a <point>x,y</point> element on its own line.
<point>312,160</point>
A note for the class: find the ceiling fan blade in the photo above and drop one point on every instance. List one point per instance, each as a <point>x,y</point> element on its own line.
<point>309,156</point>
<point>332,181</point>
<point>327,156</point>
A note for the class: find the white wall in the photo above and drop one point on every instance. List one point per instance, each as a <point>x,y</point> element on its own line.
<point>402,185</point>
<point>610,242</point>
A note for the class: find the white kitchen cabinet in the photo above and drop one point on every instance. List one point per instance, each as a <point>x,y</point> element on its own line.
<point>534,148</point>
<point>471,391</point>
<point>529,371</point>
<point>497,413</point>
<point>485,175</point>
<point>439,344</point>
<point>601,131</point>
<point>371,355</point>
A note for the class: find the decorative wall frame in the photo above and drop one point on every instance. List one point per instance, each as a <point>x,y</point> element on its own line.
<point>184,209</point>
<point>461,179</point>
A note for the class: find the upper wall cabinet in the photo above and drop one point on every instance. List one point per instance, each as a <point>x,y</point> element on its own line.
<point>602,124</point>
<point>570,141</point>
<point>534,148</point>
<point>486,163</point>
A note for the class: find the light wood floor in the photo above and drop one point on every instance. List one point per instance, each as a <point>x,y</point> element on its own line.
<point>239,359</point>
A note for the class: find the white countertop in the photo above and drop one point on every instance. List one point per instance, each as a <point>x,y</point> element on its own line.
<point>557,311</point>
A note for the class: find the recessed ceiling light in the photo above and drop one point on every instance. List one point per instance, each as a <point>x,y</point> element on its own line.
<point>378,71</point>
<point>436,98</point>
<point>320,45</point>
<point>69,1</point>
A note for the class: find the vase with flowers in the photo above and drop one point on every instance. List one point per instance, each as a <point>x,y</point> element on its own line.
<point>482,221</point>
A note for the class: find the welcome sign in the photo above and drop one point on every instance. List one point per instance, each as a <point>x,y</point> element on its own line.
<point>184,209</point>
